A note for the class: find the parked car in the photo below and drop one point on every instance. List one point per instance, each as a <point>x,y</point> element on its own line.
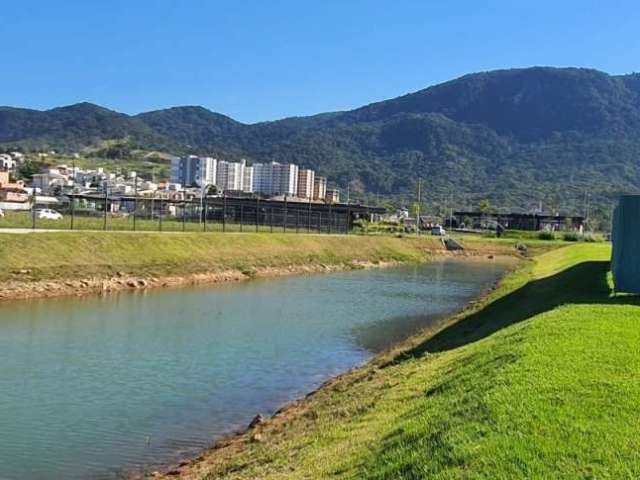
<point>48,214</point>
<point>438,230</point>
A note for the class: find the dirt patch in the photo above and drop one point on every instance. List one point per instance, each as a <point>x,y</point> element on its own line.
<point>21,290</point>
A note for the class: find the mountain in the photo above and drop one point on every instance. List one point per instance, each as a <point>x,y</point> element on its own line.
<point>517,137</point>
<point>71,127</point>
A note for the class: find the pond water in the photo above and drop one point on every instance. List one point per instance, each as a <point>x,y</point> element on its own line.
<point>96,387</point>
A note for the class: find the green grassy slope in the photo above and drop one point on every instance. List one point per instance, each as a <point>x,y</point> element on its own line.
<point>63,255</point>
<point>538,381</point>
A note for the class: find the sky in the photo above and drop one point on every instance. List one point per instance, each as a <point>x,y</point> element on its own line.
<point>269,59</point>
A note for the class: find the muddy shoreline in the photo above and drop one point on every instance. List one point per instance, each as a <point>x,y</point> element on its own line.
<point>13,290</point>
<point>18,290</point>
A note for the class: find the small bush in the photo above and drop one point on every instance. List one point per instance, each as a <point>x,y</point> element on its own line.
<point>545,235</point>
<point>570,237</point>
<point>588,237</point>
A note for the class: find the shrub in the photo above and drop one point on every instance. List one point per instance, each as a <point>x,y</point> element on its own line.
<point>570,237</point>
<point>588,237</point>
<point>546,235</point>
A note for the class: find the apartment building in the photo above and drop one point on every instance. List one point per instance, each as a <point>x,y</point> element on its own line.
<point>332,196</point>
<point>275,178</point>
<point>194,171</point>
<point>230,175</point>
<point>319,187</point>
<point>306,179</point>
<point>247,180</point>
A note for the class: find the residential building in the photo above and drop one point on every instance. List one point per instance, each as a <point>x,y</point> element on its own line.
<point>7,162</point>
<point>319,188</point>
<point>11,192</point>
<point>230,175</point>
<point>247,180</point>
<point>194,171</point>
<point>306,180</point>
<point>275,178</point>
<point>53,178</point>
<point>332,196</point>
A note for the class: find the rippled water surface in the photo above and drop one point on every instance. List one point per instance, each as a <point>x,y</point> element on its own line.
<point>95,387</point>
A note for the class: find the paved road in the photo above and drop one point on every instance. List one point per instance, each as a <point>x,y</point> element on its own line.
<point>49,230</point>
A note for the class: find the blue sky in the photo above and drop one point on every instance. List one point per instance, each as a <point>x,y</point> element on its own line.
<point>263,60</point>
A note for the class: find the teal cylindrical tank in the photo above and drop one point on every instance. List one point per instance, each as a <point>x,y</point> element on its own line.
<point>625,235</point>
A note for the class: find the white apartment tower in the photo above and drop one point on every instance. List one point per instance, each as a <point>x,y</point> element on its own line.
<point>230,175</point>
<point>194,171</point>
<point>275,178</point>
<point>247,180</point>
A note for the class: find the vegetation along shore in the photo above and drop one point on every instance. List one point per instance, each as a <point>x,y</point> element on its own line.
<point>531,381</point>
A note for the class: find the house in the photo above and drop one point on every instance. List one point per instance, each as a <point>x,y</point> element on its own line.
<point>13,195</point>
<point>7,162</point>
<point>332,196</point>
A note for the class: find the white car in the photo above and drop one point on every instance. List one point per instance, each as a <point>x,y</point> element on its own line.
<point>439,231</point>
<point>48,214</point>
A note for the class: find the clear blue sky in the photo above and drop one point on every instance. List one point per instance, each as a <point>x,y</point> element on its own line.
<point>268,59</point>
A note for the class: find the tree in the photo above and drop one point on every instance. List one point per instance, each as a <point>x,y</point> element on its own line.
<point>484,206</point>
<point>27,170</point>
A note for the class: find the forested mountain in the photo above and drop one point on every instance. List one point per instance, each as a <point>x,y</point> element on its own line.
<point>517,137</point>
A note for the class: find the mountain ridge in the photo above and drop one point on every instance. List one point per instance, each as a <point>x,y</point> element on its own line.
<point>512,135</point>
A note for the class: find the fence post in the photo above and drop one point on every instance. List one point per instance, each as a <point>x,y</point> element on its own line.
<point>330,219</point>
<point>286,214</point>
<point>33,210</point>
<point>348,221</point>
<point>205,208</point>
<point>106,198</point>
<point>72,211</point>
<point>309,217</point>
<point>241,216</point>
<point>160,210</point>
<point>257,212</point>
<point>135,203</point>
<point>224,212</point>
<point>184,213</point>
<point>297,219</point>
<point>271,219</point>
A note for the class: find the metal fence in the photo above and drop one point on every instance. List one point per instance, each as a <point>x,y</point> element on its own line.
<point>213,214</point>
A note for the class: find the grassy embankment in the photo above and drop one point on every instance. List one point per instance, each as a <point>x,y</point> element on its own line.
<point>62,255</point>
<point>539,380</point>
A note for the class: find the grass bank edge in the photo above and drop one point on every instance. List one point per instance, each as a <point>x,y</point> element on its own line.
<point>72,255</point>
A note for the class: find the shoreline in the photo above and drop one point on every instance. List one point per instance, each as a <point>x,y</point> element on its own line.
<point>17,290</point>
<point>233,442</point>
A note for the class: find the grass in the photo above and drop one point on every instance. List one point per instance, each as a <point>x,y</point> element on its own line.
<point>538,380</point>
<point>96,222</point>
<point>59,255</point>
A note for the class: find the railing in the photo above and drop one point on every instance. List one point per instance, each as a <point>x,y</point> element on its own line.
<point>215,214</point>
